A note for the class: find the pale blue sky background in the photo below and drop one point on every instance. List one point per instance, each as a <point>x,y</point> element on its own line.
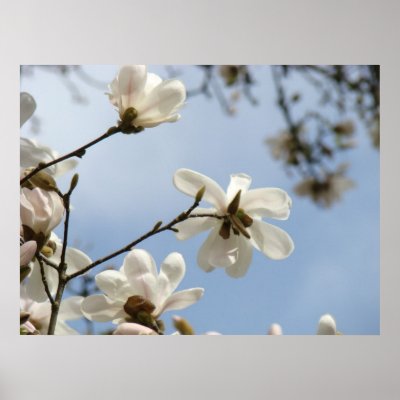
<point>126,186</point>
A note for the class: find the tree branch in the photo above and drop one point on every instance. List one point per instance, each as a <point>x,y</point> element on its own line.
<point>154,231</point>
<point>44,280</point>
<point>76,153</point>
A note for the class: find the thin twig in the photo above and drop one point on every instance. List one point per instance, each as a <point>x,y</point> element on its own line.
<point>44,280</point>
<point>76,153</point>
<point>47,261</point>
<point>181,217</point>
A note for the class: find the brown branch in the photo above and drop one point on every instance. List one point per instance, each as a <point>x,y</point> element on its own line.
<point>154,231</point>
<point>76,153</point>
<point>62,267</point>
<point>47,261</point>
<point>44,280</point>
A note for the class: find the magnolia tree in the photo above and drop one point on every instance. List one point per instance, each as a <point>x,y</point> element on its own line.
<point>135,296</point>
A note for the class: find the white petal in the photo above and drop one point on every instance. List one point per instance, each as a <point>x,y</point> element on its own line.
<point>27,107</point>
<point>267,202</point>
<point>218,252</point>
<point>129,328</point>
<point>326,325</point>
<point>114,96</point>
<point>63,329</point>
<point>62,167</point>
<point>76,260</point>
<point>224,252</point>
<point>141,272</point>
<point>35,287</point>
<point>274,242</point>
<point>180,300</point>
<point>41,312</point>
<point>26,252</point>
<point>203,254</point>
<point>113,284</point>
<point>32,153</point>
<point>238,182</point>
<point>100,308</point>
<point>71,308</point>
<point>193,226</point>
<point>161,103</point>
<point>131,80</point>
<point>152,82</point>
<point>171,273</point>
<point>190,182</point>
<point>240,267</point>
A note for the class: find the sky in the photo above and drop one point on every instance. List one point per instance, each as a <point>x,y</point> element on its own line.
<point>126,186</point>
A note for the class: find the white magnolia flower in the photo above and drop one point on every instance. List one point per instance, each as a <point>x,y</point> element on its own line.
<point>40,210</point>
<point>155,100</point>
<point>327,325</point>
<point>75,259</point>
<point>39,314</point>
<point>137,287</point>
<point>32,153</point>
<point>27,107</point>
<point>232,238</point>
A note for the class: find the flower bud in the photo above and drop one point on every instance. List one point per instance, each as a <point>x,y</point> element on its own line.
<point>41,180</point>
<point>41,211</point>
<point>275,330</point>
<point>74,182</point>
<point>200,194</point>
<point>326,325</point>
<point>27,252</point>
<point>183,326</point>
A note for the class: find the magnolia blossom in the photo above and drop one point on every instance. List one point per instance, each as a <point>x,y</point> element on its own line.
<point>40,210</point>
<point>31,152</point>
<point>155,100</point>
<point>136,289</point>
<point>75,260</point>
<point>239,226</point>
<point>327,325</point>
<point>39,314</point>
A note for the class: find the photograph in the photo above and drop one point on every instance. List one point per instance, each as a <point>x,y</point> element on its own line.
<point>200,199</point>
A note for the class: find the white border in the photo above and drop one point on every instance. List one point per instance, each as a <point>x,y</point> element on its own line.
<point>206,32</point>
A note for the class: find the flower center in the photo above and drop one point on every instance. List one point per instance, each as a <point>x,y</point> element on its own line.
<point>237,219</point>
<point>140,311</point>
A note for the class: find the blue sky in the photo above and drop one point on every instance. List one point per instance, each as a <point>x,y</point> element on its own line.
<point>126,186</point>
